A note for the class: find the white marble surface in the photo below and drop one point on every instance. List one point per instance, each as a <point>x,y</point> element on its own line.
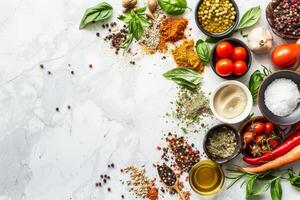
<point>116,110</point>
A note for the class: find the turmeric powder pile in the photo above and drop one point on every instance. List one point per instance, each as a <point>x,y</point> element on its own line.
<point>171,30</point>
<point>185,56</point>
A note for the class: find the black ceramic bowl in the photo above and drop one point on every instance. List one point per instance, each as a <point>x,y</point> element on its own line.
<point>228,32</point>
<point>285,120</point>
<point>237,43</point>
<point>250,121</point>
<point>237,150</point>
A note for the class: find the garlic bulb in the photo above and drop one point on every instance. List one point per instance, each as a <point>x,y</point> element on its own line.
<point>152,5</point>
<point>260,40</point>
<point>129,3</point>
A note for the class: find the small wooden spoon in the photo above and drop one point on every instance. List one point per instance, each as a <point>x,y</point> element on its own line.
<point>163,172</point>
<point>176,188</point>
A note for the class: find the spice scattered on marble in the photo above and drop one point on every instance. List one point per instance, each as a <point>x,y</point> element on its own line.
<point>151,34</point>
<point>171,30</point>
<point>116,37</point>
<point>180,155</point>
<point>185,56</point>
<point>191,107</point>
<point>140,184</point>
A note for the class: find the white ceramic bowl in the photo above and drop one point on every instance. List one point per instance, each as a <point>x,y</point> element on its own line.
<point>248,107</point>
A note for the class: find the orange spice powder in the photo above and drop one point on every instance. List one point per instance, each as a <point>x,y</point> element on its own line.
<point>186,56</point>
<point>171,30</point>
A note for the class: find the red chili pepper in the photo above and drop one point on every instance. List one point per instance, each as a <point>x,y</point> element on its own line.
<point>285,147</point>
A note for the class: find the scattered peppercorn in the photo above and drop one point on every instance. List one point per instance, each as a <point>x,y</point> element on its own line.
<point>41,66</point>
<point>90,66</point>
<point>98,34</point>
<point>108,189</point>
<point>167,175</point>
<point>287,17</point>
<point>49,72</point>
<point>57,109</point>
<point>72,72</point>
<point>112,165</point>
<point>69,107</point>
<point>122,196</point>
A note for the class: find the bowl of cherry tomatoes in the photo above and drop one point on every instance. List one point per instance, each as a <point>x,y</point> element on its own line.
<point>231,58</point>
<point>259,136</point>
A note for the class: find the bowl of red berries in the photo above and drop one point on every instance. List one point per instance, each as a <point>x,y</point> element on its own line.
<point>259,136</point>
<point>231,58</point>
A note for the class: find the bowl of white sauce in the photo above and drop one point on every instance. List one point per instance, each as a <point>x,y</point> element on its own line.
<point>279,97</point>
<point>231,102</point>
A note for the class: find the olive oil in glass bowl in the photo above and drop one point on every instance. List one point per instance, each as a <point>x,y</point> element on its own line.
<point>206,178</point>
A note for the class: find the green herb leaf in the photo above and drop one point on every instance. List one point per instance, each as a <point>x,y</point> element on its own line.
<point>173,7</point>
<point>203,51</point>
<point>250,191</point>
<point>294,179</point>
<point>235,180</point>
<point>136,21</point>
<point>184,77</point>
<point>99,13</point>
<point>249,18</point>
<point>276,190</point>
<point>211,40</point>
<point>256,80</point>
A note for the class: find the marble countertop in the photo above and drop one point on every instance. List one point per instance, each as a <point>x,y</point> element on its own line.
<point>116,109</point>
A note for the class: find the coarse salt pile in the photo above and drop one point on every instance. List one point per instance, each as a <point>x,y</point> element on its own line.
<point>282,97</point>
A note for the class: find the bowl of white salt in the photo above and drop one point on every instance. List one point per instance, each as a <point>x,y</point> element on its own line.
<point>279,97</point>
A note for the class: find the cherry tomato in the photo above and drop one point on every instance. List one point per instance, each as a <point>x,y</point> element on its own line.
<point>269,128</point>
<point>273,142</point>
<point>240,68</point>
<point>224,67</point>
<point>286,55</point>
<point>259,139</point>
<point>258,127</point>
<point>248,137</point>
<point>256,150</point>
<point>224,50</point>
<point>239,53</point>
<point>265,149</point>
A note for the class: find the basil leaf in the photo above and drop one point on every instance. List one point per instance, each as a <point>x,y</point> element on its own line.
<point>184,77</point>
<point>211,40</point>
<point>203,51</point>
<point>136,21</point>
<point>173,7</point>
<point>98,13</point>
<point>255,81</point>
<point>276,190</point>
<point>250,191</point>
<point>295,181</point>
<point>250,17</point>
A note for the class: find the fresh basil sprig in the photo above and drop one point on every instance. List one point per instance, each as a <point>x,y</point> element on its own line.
<point>276,190</point>
<point>251,190</point>
<point>173,7</point>
<point>294,179</point>
<point>203,51</point>
<point>136,20</point>
<point>256,80</point>
<point>184,76</point>
<point>98,13</point>
<point>250,18</point>
<point>256,184</point>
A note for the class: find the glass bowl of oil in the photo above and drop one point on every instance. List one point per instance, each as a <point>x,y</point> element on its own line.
<point>206,178</point>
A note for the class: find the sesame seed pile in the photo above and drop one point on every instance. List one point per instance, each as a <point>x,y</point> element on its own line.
<point>139,183</point>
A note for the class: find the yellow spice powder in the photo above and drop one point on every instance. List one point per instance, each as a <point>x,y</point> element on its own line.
<point>185,56</point>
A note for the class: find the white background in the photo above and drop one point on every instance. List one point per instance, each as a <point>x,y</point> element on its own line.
<point>117,109</point>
